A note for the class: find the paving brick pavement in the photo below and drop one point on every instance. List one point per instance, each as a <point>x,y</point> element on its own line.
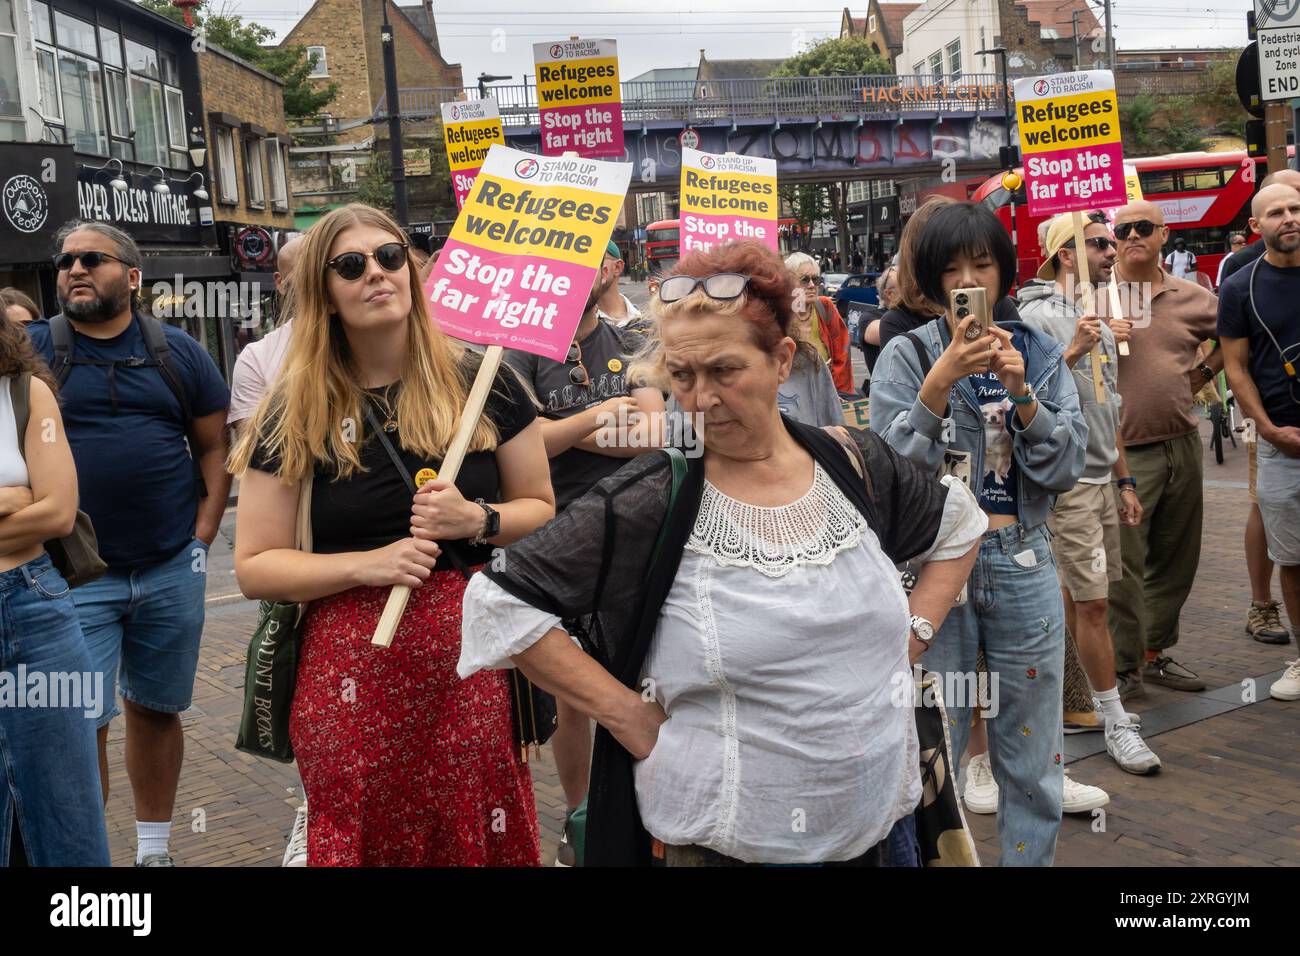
<point>1229,793</point>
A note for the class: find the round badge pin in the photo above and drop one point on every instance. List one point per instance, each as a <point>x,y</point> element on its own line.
<point>615,365</point>
<point>423,476</point>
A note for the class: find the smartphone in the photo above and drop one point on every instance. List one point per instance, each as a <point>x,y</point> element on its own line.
<point>968,302</point>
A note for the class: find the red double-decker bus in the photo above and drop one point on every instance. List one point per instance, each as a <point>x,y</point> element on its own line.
<point>1204,198</point>
<point>663,242</point>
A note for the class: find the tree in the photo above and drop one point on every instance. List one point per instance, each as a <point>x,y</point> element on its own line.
<point>227,30</point>
<point>376,188</point>
<point>808,204</point>
<point>1151,128</point>
<point>840,56</point>
<point>1219,101</point>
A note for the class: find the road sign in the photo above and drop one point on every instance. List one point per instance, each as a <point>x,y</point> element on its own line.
<point>1277,24</point>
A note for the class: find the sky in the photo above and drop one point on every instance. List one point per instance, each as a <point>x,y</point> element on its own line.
<point>496,36</point>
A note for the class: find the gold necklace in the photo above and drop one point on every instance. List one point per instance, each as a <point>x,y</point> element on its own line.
<point>390,413</point>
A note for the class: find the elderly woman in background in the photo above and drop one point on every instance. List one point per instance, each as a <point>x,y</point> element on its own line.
<point>714,731</point>
<point>818,322</point>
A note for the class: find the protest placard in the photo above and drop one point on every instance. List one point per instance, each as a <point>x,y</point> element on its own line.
<point>1069,137</point>
<point>515,272</point>
<point>725,198</point>
<point>469,129</point>
<point>1070,140</point>
<point>857,413</point>
<point>579,99</point>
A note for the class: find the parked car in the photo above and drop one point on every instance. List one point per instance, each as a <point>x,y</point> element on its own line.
<point>860,287</point>
<point>831,282</point>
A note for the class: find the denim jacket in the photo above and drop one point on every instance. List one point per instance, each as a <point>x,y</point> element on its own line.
<point>1050,451</point>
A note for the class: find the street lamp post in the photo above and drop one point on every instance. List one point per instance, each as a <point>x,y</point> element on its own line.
<point>1008,156</point>
<point>391,96</point>
<point>484,79</point>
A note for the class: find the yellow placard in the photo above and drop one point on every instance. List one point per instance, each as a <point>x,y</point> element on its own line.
<point>728,193</point>
<point>468,143</point>
<point>1069,122</point>
<point>562,223</point>
<point>857,413</point>
<point>578,82</point>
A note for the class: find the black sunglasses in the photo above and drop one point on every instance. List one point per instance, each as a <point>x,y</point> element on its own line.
<point>578,375</point>
<point>1144,228</point>
<point>1100,243</point>
<point>90,260</point>
<point>721,286</point>
<point>391,256</point>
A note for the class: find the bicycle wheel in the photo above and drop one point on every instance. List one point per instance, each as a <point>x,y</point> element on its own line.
<point>1216,433</point>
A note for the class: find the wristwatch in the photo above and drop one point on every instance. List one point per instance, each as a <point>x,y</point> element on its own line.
<point>1207,373</point>
<point>923,629</point>
<point>491,526</point>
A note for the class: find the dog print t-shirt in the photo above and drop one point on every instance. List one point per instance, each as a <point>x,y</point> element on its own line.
<point>999,491</point>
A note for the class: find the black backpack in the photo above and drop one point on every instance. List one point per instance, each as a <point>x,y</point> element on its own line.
<point>160,357</point>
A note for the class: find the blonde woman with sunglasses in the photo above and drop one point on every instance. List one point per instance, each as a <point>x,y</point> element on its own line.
<point>403,763</point>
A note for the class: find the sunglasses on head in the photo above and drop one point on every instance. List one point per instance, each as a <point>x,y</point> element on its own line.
<point>391,257</point>
<point>721,286</point>
<point>577,375</point>
<point>1144,228</point>
<point>90,260</point>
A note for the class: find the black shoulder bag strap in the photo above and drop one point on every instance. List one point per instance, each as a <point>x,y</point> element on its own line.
<point>155,342</point>
<point>449,548</point>
<point>922,353</point>
<point>61,336</point>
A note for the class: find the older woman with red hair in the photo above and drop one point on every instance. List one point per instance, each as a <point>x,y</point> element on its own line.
<point>723,741</point>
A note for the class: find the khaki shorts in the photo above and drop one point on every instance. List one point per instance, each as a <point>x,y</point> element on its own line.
<point>1085,541</point>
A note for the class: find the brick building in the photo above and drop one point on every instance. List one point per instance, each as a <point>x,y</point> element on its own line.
<point>883,26</point>
<point>1040,36</point>
<point>342,36</point>
<point>248,156</point>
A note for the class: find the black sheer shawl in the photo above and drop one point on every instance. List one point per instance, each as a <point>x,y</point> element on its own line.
<point>592,564</point>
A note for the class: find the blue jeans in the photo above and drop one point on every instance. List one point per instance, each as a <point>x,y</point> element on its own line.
<point>49,699</point>
<point>1015,611</point>
<point>145,625</point>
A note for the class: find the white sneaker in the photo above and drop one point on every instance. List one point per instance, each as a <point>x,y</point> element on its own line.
<point>1287,687</point>
<point>1129,750</point>
<point>1081,798</point>
<point>295,854</point>
<point>981,794</point>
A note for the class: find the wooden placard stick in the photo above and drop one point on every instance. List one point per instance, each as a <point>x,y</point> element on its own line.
<point>1081,254</point>
<point>1116,308</point>
<point>478,393</point>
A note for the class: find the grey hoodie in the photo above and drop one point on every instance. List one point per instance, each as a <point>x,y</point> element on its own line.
<point>1043,307</point>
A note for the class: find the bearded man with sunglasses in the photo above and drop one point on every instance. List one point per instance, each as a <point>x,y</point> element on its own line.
<point>130,408</point>
<point>1171,319</point>
<point>593,420</point>
<point>1259,329</point>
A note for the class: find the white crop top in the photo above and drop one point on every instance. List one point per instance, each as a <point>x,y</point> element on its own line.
<point>13,467</point>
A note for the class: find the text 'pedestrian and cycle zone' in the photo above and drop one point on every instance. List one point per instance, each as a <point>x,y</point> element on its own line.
<point>470,129</point>
<point>524,252</point>
<point>579,99</point>
<point>727,198</point>
<point>1070,138</point>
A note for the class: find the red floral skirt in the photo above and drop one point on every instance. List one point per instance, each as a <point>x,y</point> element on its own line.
<point>404,763</point>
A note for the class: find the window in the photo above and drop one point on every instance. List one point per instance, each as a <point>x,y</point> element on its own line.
<point>74,34</point>
<point>227,177</point>
<point>954,58</point>
<point>41,22</point>
<point>871,23</point>
<point>1157,182</point>
<point>253,162</point>
<point>279,187</point>
<point>142,60</point>
<point>119,114</point>
<point>110,45</point>
<point>83,103</point>
<point>171,74</point>
<point>936,63</point>
<point>1049,33</point>
<point>176,137</point>
<point>1211,178</point>
<point>919,68</point>
<point>10,98</point>
<point>316,57</point>
<point>48,85</point>
<point>150,126</point>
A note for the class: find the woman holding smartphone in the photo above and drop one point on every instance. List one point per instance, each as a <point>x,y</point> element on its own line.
<point>993,404</point>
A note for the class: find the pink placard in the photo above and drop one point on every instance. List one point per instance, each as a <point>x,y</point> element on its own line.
<point>1068,179</point>
<point>462,181</point>
<point>703,231</point>
<point>490,298</point>
<point>594,130</point>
